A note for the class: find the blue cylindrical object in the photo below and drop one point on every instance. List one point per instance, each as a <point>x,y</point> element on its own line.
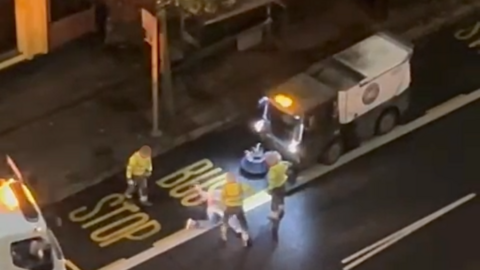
<point>253,166</point>
<point>253,163</point>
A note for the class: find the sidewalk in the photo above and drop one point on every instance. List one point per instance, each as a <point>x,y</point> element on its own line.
<point>72,118</point>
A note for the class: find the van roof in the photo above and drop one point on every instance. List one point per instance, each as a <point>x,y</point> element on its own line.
<point>375,55</point>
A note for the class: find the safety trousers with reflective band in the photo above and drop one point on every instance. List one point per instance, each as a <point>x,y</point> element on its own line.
<point>232,194</point>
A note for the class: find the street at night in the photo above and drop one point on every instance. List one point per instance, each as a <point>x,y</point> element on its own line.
<point>345,133</point>
<point>345,211</point>
<point>362,203</point>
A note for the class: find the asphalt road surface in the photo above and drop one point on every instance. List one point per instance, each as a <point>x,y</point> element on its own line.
<point>389,188</point>
<point>450,243</point>
<point>365,201</point>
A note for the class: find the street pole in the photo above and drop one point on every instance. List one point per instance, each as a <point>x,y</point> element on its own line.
<point>155,91</point>
<point>150,25</point>
<point>166,72</point>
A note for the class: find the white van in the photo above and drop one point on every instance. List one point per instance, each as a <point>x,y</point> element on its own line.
<point>339,102</point>
<point>26,243</point>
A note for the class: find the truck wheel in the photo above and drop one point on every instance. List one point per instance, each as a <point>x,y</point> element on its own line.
<point>387,121</point>
<point>332,153</point>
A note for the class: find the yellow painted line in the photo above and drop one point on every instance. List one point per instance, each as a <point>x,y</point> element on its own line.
<point>181,237</point>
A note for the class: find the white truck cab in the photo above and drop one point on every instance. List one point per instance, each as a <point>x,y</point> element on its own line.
<point>26,243</point>
<point>339,102</point>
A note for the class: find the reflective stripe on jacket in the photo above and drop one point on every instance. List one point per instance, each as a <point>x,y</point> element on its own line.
<point>277,175</point>
<point>232,194</point>
<point>138,165</point>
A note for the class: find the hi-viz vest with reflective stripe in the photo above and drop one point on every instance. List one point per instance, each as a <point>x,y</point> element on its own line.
<point>232,194</point>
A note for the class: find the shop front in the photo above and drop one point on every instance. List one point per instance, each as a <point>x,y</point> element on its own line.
<point>23,32</point>
<point>29,28</point>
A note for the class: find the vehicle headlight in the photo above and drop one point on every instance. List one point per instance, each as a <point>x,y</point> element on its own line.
<point>293,147</point>
<point>259,125</point>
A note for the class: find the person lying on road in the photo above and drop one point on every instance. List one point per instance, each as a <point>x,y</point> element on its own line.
<point>215,211</point>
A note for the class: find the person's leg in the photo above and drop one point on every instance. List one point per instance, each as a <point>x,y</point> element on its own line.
<point>130,190</point>
<point>213,218</point>
<point>240,214</point>
<point>242,220</point>
<point>229,211</point>
<point>235,224</point>
<point>281,202</point>
<point>215,215</point>
<point>278,203</point>
<point>143,190</point>
<point>274,204</point>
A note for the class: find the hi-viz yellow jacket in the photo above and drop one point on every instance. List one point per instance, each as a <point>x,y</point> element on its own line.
<point>138,166</point>
<point>233,194</point>
<point>277,175</point>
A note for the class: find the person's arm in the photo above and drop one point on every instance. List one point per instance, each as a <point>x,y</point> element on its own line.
<point>287,164</point>
<point>247,190</point>
<point>202,193</point>
<point>130,165</point>
<point>271,179</point>
<point>150,168</point>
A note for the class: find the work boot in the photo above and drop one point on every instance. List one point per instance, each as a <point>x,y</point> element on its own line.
<point>191,224</point>
<point>145,203</point>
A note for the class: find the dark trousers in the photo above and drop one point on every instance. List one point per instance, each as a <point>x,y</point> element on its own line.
<point>239,213</point>
<point>278,199</point>
<point>139,185</point>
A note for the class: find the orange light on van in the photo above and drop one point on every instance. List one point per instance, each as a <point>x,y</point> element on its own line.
<point>283,100</point>
<point>7,196</point>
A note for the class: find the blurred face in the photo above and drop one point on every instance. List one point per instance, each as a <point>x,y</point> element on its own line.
<point>230,178</point>
<point>271,160</point>
<point>145,152</point>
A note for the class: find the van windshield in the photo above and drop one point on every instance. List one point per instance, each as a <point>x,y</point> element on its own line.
<point>283,126</point>
<point>32,254</point>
